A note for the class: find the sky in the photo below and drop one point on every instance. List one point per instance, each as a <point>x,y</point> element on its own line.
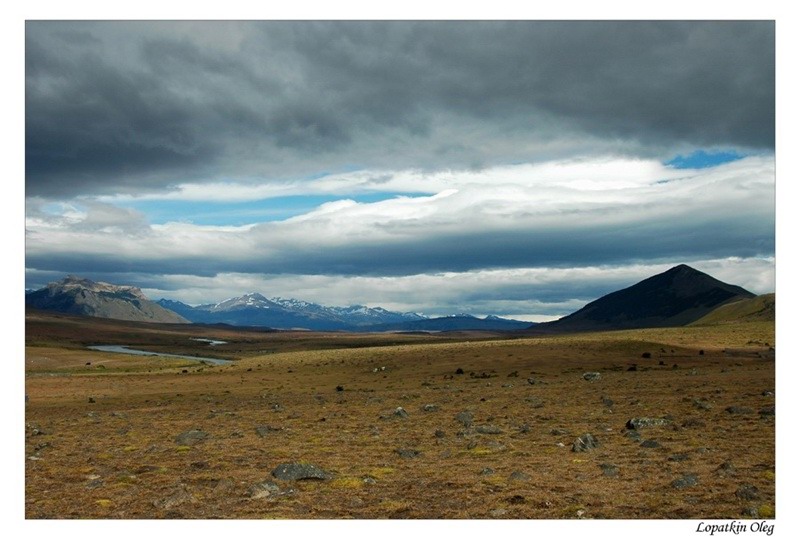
<point>515,168</point>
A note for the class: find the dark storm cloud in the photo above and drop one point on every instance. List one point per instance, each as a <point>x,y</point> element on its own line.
<point>563,247</point>
<point>114,107</point>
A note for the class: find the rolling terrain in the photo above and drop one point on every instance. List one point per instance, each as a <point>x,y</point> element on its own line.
<point>486,428</point>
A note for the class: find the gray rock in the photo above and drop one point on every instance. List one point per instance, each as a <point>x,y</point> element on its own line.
<point>407,453</point>
<point>591,376</point>
<point>558,432</point>
<point>269,490</point>
<point>486,471</point>
<point>748,492</point>
<point>584,442</point>
<point>369,480</point>
<point>750,512</point>
<point>640,423</point>
<point>430,408</point>
<point>179,497</point>
<point>488,429</point>
<point>768,411</point>
<point>650,444</point>
<point>607,401</point>
<point>702,405</point>
<point>224,486</point>
<point>400,412</point>
<point>726,468</point>
<point>439,433</point>
<point>519,476</point>
<point>531,381</point>
<point>264,430</point>
<point>687,480</point>
<point>191,437</point>
<point>633,435</point>
<point>265,489</point>
<point>739,410</point>
<point>678,457</point>
<point>609,470</point>
<point>295,471</point>
<point>465,418</point>
<point>498,513</point>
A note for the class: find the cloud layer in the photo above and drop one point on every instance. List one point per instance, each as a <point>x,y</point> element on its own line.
<point>129,106</point>
<point>514,168</point>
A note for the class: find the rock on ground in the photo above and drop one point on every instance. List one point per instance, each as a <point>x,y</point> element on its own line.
<point>295,471</point>
<point>584,442</point>
<point>192,437</point>
<point>639,423</point>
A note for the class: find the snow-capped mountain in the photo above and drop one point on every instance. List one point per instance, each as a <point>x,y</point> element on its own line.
<point>254,309</point>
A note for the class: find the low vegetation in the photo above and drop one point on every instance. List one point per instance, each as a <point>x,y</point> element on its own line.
<point>102,442</point>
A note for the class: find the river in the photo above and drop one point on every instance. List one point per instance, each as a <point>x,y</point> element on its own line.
<point>126,350</point>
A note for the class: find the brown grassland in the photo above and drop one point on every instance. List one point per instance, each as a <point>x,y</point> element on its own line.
<point>100,439</point>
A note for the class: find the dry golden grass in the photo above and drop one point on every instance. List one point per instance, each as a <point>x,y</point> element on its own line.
<point>117,457</point>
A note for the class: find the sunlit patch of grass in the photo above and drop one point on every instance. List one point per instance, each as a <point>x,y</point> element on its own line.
<point>766,511</point>
<point>382,471</point>
<point>130,448</point>
<point>347,483</point>
<point>769,474</point>
<point>106,503</point>
<point>183,449</point>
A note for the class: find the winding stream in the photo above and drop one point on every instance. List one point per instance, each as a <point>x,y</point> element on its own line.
<point>126,350</point>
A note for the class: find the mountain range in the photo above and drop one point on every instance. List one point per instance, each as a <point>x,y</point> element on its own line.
<point>678,297</point>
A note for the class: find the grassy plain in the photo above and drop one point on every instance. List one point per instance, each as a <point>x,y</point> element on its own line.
<point>101,438</point>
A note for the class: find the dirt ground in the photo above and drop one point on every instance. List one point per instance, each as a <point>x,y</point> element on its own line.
<point>101,441</point>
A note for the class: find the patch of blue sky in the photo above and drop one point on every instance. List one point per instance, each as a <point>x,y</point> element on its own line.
<point>704,159</point>
<point>229,213</point>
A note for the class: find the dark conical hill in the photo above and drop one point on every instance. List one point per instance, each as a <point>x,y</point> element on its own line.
<point>676,297</point>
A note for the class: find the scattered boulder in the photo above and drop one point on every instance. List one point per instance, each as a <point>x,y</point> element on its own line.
<point>609,470</point>
<point>340,388</point>
<point>647,355</point>
<point>639,423</point>
<point>607,401</point>
<point>558,432</point>
<point>459,371</point>
<point>650,444</point>
<point>748,492</point>
<point>687,480</point>
<point>591,376</point>
<point>488,429</point>
<point>702,405</point>
<point>678,457</point>
<point>407,453</point>
<point>726,469</point>
<point>264,430</point>
<point>465,418</point>
<point>179,497</point>
<point>739,410</point>
<point>439,433</point>
<point>486,471</point>
<point>585,442</point>
<point>519,476</point>
<point>295,471</point>
<point>191,437</point>
<point>430,408</point>
<point>91,400</point>
<point>693,423</point>
<point>267,489</point>
<point>768,411</point>
<point>531,381</point>
<point>632,368</point>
